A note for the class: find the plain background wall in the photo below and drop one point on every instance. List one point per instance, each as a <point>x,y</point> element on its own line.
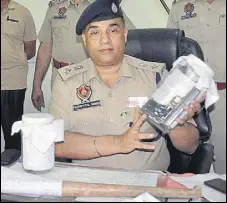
<point>143,13</point>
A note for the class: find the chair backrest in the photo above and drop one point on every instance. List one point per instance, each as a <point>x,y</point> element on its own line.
<point>161,45</point>
<point>166,45</point>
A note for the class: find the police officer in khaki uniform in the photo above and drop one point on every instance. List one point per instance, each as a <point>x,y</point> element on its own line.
<point>18,45</point>
<point>58,40</point>
<point>205,21</point>
<point>97,100</point>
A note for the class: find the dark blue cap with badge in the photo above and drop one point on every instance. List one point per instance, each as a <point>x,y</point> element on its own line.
<point>99,10</point>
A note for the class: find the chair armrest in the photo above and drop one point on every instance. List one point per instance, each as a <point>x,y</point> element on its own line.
<point>203,122</point>
<point>201,159</point>
<point>189,46</point>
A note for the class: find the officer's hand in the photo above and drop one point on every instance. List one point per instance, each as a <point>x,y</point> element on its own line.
<point>37,98</point>
<point>131,139</point>
<point>192,109</point>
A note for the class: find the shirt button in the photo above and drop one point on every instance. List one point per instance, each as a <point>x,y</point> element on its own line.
<point>111,120</point>
<point>110,94</point>
<point>85,123</point>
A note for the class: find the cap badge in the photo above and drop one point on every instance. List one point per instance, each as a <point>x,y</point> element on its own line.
<point>114,8</point>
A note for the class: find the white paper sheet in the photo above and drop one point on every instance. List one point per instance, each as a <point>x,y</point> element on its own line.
<point>198,180</point>
<point>22,183</point>
<point>95,175</point>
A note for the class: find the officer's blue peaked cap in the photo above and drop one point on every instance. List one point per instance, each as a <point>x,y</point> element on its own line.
<point>99,10</point>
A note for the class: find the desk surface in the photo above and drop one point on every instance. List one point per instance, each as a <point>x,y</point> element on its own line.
<point>20,198</point>
<point>17,198</point>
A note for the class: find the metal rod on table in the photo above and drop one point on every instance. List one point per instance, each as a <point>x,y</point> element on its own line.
<point>79,189</point>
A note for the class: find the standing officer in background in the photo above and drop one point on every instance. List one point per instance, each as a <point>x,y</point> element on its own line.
<point>59,41</point>
<point>96,99</point>
<point>18,45</point>
<point>205,22</point>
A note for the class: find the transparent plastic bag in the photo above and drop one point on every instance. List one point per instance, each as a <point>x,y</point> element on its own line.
<point>174,92</point>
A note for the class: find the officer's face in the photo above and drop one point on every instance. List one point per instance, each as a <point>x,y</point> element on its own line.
<point>105,41</point>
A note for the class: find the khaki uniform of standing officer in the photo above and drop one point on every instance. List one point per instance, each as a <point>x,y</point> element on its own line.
<point>206,23</point>
<point>97,98</point>
<point>18,45</point>
<point>58,31</point>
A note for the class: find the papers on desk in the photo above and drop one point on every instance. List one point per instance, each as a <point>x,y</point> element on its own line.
<point>198,180</point>
<point>98,175</point>
<point>15,180</point>
<point>22,183</point>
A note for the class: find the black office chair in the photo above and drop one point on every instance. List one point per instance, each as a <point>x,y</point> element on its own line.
<point>166,45</point>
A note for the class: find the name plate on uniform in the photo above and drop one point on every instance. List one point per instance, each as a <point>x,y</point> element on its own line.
<point>86,105</point>
<point>136,101</point>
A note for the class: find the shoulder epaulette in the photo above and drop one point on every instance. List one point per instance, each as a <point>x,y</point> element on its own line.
<point>53,2</point>
<point>179,1</point>
<point>71,70</point>
<point>91,1</point>
<point>175,1</point>
<point>146,65</point>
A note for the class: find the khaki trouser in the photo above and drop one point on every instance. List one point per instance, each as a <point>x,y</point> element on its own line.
<point>53,76</point>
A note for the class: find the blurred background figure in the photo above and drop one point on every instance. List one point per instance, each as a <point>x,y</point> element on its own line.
<point>205,22</point>
<point>18,45</point>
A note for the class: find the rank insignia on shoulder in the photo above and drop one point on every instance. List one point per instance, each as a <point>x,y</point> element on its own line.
<point>53,2</point>
<point>188,9</point>
<point>153,66</point>
<point>61,12</point>
<point>68,72</point>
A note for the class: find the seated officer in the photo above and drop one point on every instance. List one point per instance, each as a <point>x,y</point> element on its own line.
<point>94,99</point>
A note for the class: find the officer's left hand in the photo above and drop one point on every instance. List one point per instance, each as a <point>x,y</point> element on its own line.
<point>192,109</point>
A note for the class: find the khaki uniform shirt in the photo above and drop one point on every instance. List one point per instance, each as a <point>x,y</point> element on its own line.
<point>60,31</point>
<point>206,24</point>
<point>108,112</point>
<point>17,26</point>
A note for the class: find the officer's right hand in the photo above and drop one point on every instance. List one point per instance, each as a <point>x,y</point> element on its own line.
<point>37,98</point>
<point>131,139</point>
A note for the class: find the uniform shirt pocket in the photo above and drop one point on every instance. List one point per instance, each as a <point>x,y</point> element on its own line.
<point>87,117</point>
<point>191,23</point>
<point>193,28</point>
<point>13,27</point>
<point>126,116</point>
<point>59,25</point>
